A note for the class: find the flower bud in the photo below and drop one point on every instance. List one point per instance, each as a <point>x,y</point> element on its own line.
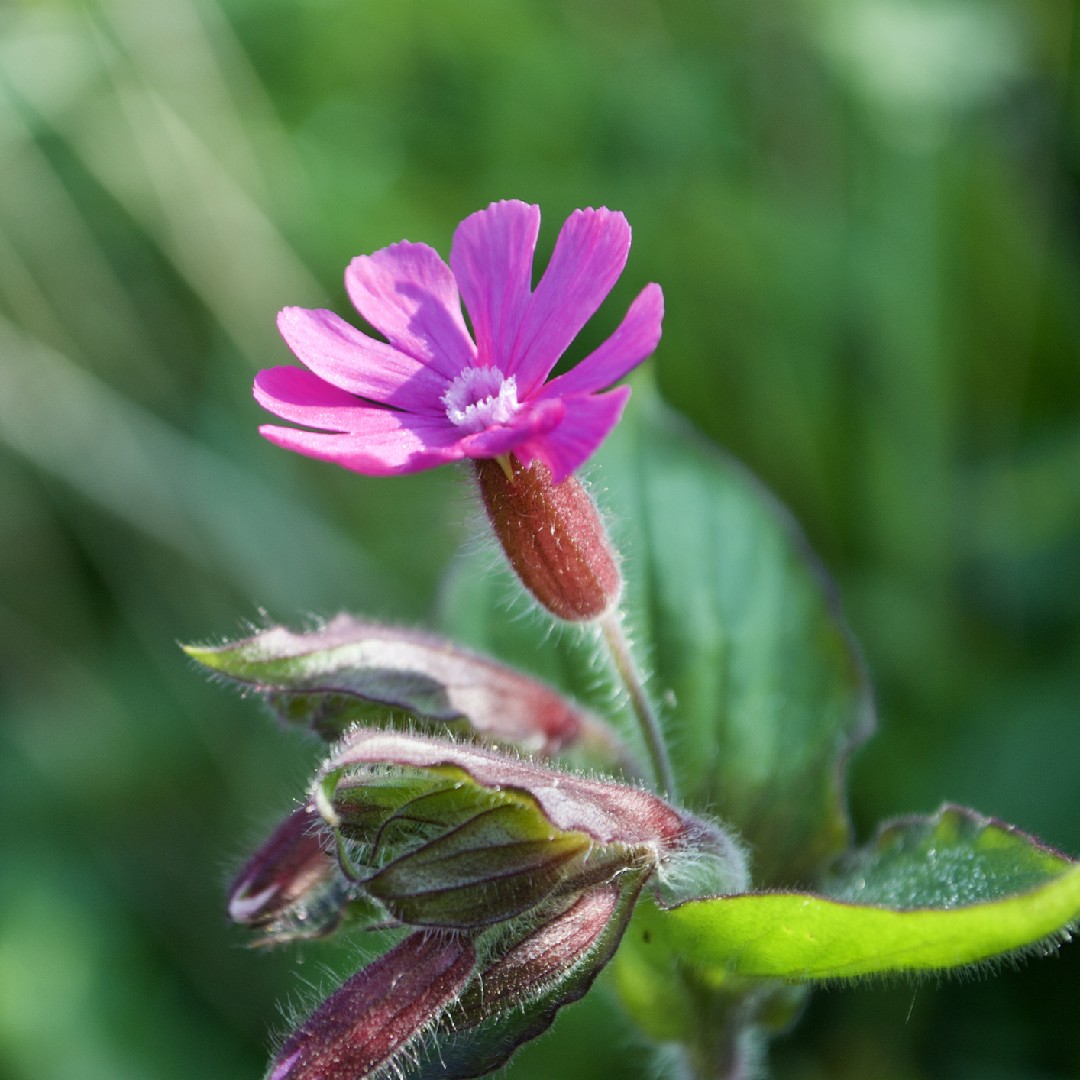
<point>434,848</point>
<point>351,669</point>
<point>543,958</point>
<point>380,1013</point>
<point>530,975</point>
<point>452,835</point>
<point>608,812</point>
<point>522,879</point>
<point>294,866</point>
<point>554,538</point>
<point>498,864</point>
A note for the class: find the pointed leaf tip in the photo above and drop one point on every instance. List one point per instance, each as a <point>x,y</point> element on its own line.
<point>207,655</point>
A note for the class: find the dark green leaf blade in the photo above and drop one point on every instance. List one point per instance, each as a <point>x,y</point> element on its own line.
<point>933,894</point>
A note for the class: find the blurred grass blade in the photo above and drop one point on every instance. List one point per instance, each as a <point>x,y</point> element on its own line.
<point>168,486</point>
<point>150,116</point>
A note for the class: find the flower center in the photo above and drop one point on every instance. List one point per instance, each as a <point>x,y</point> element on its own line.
<point>481,397</point>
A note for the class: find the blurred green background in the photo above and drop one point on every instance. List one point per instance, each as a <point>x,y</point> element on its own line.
<point>865,215</point>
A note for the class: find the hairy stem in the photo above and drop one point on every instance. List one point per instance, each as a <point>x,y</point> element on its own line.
<point>630,675</point>
<point>734,1060</point>
<point>727,1046</point>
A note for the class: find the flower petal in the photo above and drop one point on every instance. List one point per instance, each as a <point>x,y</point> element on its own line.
<point>347,358</point>
<point>408,294</point>
<point>634,340</point>
<point>492,258</point>
<point>387,443</point>
<point>587,421</point>
<point>533,421</point>
<point>302,397</point>
<point>588,258</point>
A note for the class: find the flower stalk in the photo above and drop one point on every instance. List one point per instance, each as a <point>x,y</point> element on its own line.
<point>622,659</point>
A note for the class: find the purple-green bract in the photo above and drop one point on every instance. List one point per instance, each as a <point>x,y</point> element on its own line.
<point>431,392</point>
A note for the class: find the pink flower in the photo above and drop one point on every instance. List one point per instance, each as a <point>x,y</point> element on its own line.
<point>430,393</point>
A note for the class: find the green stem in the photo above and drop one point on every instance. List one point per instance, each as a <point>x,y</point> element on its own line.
<point>727,1046</point>
<point>630,675</point>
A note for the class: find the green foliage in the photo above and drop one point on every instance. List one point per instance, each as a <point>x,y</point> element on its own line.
<point>863,222</point>
<point>954,859</point>
<point>930,895</point>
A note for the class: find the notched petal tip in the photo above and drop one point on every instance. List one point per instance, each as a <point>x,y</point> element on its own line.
<point>500,211</point>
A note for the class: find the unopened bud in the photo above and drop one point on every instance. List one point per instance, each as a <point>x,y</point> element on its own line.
<point>351,669</point>
<point>553,537</point>
<point>543,958</point>
<point>294,862</point>
<point>608,811</point>
<point>293,887</point>
<point>454,835</point>
<point>378,1015</point>
<point>498,864</point>
<point>526,980</point>
<point>433,848</point>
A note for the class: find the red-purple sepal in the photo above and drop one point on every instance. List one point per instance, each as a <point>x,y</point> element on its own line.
<point>381,1013</point>
<point>294,868</point>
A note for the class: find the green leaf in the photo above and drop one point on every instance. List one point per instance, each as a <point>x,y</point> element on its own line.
<point>928,895</point>
<point>763,691</point>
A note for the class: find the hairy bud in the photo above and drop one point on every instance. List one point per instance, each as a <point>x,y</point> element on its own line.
<point>554,538</point>
<point>453,835</point>
<point>294,873</point>
<point>378,1014</point>
<point>519,880</point>
<point>354,670</point>
<point>434,848</point>
<point>608,811</point>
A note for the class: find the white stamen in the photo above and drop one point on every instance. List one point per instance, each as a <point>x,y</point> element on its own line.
<point>480,397</point>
